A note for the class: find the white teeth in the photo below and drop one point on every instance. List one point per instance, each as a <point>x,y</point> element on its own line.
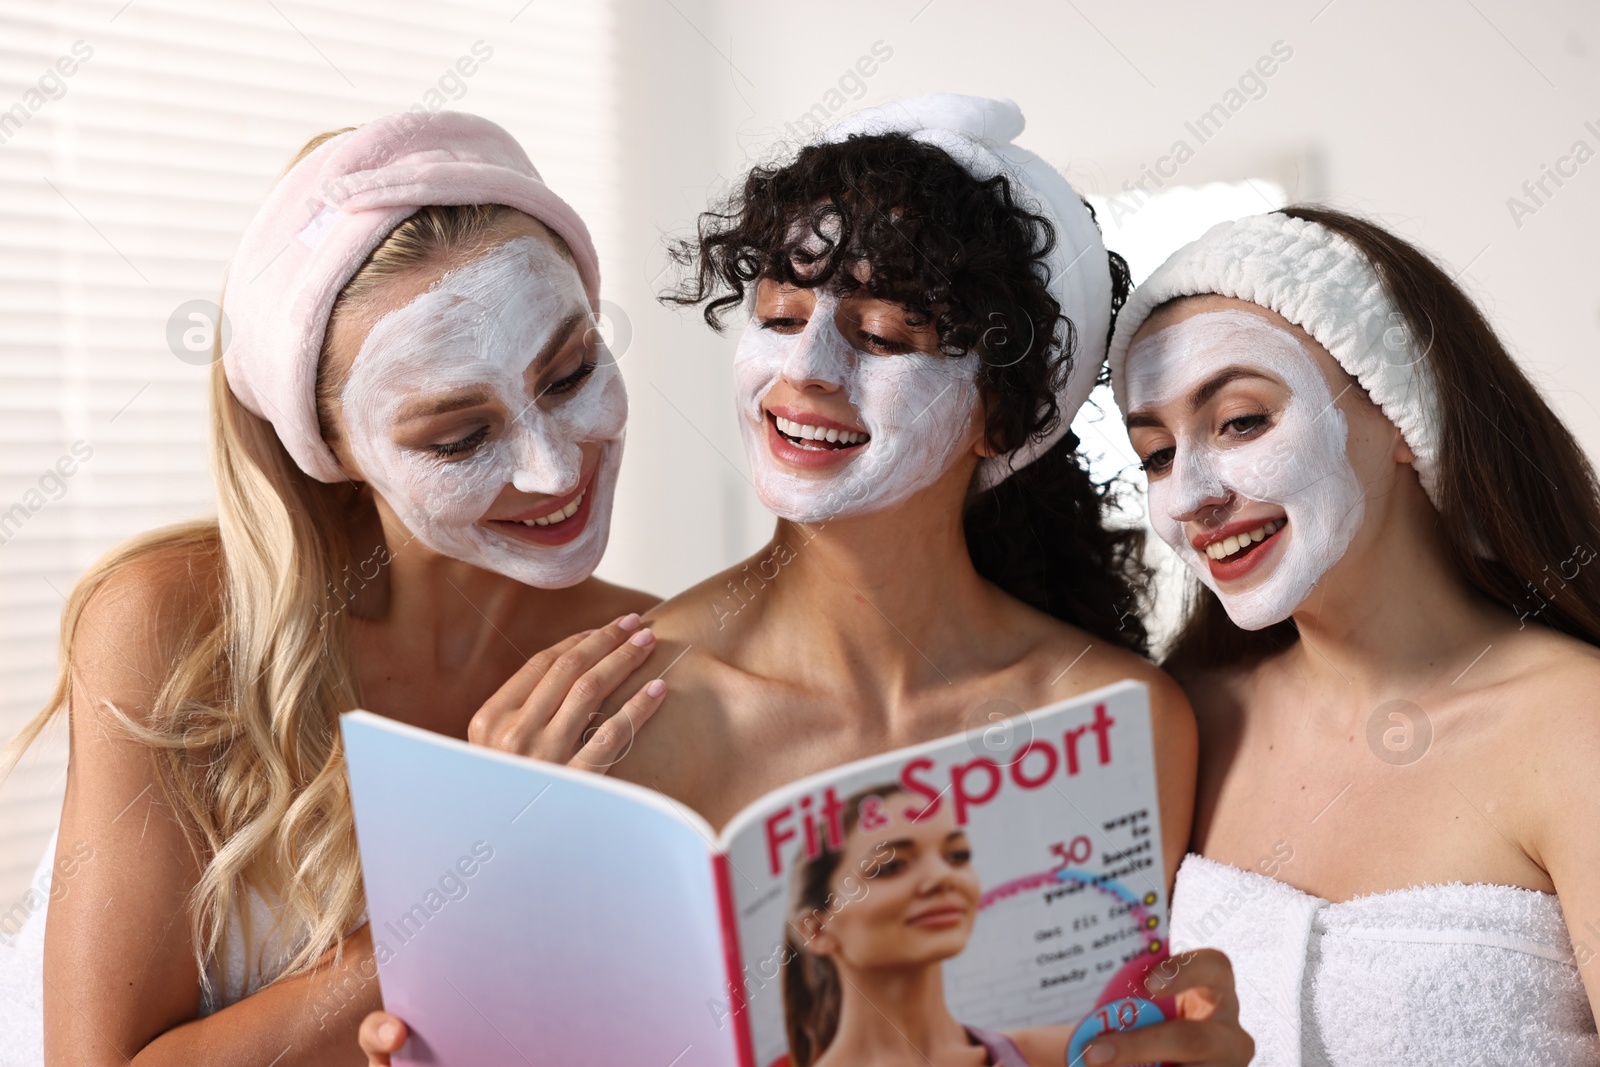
<point>1229,545</point>
<point>558,516</point>
<point>829,435</point>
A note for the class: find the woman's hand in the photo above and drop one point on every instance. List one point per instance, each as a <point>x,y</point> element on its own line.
<point>1206,1030</point>
<point>551,708</point>
<point>381,1035</point>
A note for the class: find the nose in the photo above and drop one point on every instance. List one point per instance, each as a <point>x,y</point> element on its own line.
<point>546,463</point>
<point>1196,492</point>
<point>820,357</point>
<point>937,874</point>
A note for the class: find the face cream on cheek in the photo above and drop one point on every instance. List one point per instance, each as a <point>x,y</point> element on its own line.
<point>915,407</point>
<point>1299,463</point>
<point>478,329</point>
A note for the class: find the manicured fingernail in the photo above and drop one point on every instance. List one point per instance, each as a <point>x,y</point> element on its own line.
<point>656,688</point>
<point>628,623</point>
<point>388,1032</point>
<point>643,637</point>
<point>1155,981</point>
<point>1099,1052</point>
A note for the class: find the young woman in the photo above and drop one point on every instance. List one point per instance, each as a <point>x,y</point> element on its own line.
<point>865,969</point>
<point>1394,655</point>
<point>415,441</point>
<point>928,307</point>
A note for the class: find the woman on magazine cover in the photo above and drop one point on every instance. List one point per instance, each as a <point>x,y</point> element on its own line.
<point>416,439</point>
<point>863,968</point>
<point>1394,656</point>
<point>927,306</point>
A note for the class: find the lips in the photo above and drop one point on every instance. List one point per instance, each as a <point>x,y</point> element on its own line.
<point>555,522</point>
<point>811,441</point>
<point>943,916</point>
<point>1240,547</point>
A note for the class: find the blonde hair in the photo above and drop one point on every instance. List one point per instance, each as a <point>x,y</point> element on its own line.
<point>246,723</point>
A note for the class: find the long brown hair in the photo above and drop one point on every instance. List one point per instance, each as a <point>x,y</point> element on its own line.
<point>811,988</point>
<point>1508,468</point>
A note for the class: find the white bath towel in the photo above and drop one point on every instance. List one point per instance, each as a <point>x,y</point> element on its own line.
<point>22,970</point>
<point>22,966</point>
<point>1439,974</point>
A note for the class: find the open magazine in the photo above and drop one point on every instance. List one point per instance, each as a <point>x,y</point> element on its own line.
<point>527,913</point>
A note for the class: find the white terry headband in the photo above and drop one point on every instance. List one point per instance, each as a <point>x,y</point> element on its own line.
<point>322,220</point>
<point>977,132</point>
<point>1322,283</point>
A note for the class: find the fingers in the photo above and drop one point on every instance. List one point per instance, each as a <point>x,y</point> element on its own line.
<point>1207,1029</point>
<point>509,698</point>
<point>608,742</point>
<point>1202,981</point>
<point>381,1034</point>
<point>580,712</point>
<point>1198,1041</point>
<point>571,683</point>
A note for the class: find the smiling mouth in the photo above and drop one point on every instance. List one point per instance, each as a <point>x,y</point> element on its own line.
<point>939,917</point>
<point>1232,549</point>
<point>560,516</point>
<point>557,527</point>
<point>810,438</point>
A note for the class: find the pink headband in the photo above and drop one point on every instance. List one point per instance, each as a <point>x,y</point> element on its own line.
<point>321,222</point>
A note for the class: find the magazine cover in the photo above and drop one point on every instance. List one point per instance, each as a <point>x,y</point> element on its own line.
<point>998,880</point>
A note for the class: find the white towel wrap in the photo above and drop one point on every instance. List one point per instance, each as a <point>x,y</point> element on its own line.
<point>1437,974</point>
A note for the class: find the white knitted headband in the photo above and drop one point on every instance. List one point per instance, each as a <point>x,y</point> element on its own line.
<point>1322,283</point>
<point>977,132</point>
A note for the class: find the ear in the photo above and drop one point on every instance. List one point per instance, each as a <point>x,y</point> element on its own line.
<point>979,429</point>
<point>814,932</point>
<point>1402,452</point>
<point>824,944</point>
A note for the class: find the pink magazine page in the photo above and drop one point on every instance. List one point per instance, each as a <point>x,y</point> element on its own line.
<point>999,880</point>
<point>527,914</point>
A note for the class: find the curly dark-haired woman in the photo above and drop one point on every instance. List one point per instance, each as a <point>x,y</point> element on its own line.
<point>928,306</point>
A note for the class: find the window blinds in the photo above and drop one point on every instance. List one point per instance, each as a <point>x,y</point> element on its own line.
<point>136,138</point>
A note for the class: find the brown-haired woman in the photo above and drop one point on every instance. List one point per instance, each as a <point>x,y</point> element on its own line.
<point>871,924</point>
<point>1394,663</point>
<point>410,299</point>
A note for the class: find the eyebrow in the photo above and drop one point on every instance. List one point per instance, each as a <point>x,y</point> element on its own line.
<point>477,396</point>
<point>443,405</point>
<point>906,842</point>
<point>558,340</point>
<point>1208,389</point>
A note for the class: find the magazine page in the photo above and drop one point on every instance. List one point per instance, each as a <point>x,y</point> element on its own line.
<point>526,913</point>
<point>1005,875</point>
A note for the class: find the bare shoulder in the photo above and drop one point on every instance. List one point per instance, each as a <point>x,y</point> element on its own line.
<point>1550,688</point>
<point>607,601</point>
<point>1073,661</point>
<point>708,613</point>
<point>679,748</point>
<point>136,620</point>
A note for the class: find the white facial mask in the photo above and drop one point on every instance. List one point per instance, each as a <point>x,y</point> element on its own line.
<point>480,327</point>
<point>916,408</point>
<point>1299,463</point>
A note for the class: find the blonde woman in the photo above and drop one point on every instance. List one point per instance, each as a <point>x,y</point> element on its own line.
<point>415,439</point>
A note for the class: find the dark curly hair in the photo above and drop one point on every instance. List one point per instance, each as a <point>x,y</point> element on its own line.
<point>962,253</point>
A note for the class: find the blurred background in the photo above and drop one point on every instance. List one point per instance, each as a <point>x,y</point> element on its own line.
<point>136,137</point>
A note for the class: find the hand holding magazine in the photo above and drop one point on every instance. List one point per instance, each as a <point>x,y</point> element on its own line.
<point>1004,886</point>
